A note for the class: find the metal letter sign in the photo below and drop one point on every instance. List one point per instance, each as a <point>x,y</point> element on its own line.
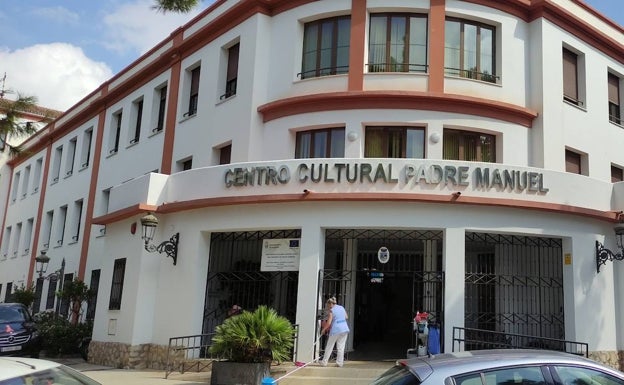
<point>383,255</point>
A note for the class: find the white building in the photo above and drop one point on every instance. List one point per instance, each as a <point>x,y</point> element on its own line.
<point>286,143</point>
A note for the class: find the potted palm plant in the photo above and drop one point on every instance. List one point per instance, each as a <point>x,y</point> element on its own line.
<point>248,343</point>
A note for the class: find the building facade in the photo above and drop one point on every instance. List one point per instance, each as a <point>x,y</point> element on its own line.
<point>460,158</point>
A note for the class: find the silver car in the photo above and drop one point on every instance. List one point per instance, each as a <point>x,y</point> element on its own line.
<point>31,371</point>
<point>500,367</point>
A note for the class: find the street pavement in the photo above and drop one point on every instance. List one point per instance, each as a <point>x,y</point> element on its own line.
<point>112,376</point>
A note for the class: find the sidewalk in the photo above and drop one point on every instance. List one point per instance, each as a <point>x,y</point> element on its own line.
<point>111,376</point>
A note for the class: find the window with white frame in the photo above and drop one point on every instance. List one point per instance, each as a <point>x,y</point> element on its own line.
<point>17,240</point>
<point>137,118</point>
<point>62,221</point>
<point>231,76</point>
<point>85,154</point>
<point>193,95</point>
<point>56,166</point>
<point>26,181</point>
<point>113,140</point>
<point>6,239</point>
<point>573,77</point>
<point>15,188</point>
<point>161,108</point>
<point>47,229</point>
<point>37,174</point>
<point>76,218</point>
<point>28,236</point>
<point>71,156</point>
<point>576,162</point>
<point>615,107</point>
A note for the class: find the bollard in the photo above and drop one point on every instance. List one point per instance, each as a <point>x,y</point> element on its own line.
<point>268,381</point>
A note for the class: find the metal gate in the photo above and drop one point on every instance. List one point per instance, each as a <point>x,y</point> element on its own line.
<point>514,284</point>
<point>234,277</point>
<point>384,297</point>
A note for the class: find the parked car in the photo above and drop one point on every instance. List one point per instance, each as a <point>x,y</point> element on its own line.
<point>18,333</point>
<point>22,371</point>
<point>500,367</point>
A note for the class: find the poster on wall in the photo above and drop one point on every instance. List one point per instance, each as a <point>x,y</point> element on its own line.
<point>280,254</point>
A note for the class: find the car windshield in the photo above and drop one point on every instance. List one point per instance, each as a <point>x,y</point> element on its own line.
<point>59,375</point>
<point>12,314</point>
<point>397,375</point>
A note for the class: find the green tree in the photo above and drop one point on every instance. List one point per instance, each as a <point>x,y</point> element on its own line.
<point>24,295</point>
<point>11,122</point>
<point>180,6</point>
<point>76,293</point>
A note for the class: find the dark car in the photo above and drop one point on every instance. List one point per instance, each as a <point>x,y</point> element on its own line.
<point>500,367</point>
<point>18,333</point>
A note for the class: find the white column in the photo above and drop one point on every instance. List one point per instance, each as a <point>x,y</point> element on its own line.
<point>454,277</point>
<point>310,262</point>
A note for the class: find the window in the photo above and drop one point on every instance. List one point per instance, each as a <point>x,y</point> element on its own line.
<point>115,132</point>
<point>325,143</point>
<point>185,164</point>
<point>469,146</point>
<point>48,229</point>
<point>38,292</point>
<point>28,235</point>
<point>398,43</point>
<point>614,99</point>
<point>9,290</point>
<point>71,156</point>
<point>51,294</point>
<point>571,92</point>
<point>232,71</point>
<point>326,47</point>
<point>16,241</point>
<point>5,241</point>
<point>162,104</point>
<point>469,50</point>
<point>3,139</point>
<point>519,375</point>
<point>573,162</point>
<point>225,154</point>
<point>86,148</point>
<point>76,219</point>
<point>37,176</point>
<point>56,167</point>
<point>16,183</point>
<point>26,181</point>
<point>194,92</point>
<point>117,284</point>
<point>61,229</point>
<point>138,111</point>
<point>93,287</point>
<point>394,142</point>
<point>617,174</point>
<point>574,375</point>
<point>64,308</point>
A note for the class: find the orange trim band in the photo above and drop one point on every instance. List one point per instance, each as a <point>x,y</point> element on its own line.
<point>398,100</point>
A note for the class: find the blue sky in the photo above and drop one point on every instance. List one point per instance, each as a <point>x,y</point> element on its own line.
<point>61,50</point>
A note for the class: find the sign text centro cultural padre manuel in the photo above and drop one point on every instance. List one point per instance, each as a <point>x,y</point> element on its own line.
<point>408,174</point>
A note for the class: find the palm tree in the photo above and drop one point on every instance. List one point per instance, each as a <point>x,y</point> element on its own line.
<point>11,122</point>
<point>180,6</point>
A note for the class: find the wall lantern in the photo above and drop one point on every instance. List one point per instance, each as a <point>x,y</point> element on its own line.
<point>41,262</point>
<point>41,265</point>
<point>149,223</point>
<point>603,254</point>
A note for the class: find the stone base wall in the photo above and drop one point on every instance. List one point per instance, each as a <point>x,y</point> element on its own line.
<point>613,359</point>
<point>125,356</point>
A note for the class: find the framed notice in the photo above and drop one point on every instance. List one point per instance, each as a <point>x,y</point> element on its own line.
<point>280,254</point>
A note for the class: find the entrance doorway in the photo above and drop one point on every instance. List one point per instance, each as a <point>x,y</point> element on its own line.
<point>382,297</point>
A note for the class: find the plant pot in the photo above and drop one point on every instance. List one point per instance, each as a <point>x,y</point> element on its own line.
<point>232,373</point>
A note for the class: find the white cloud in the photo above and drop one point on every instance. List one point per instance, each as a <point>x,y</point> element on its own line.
<point>57,14</point>
<point>58,74</point>
<point>137,27</point>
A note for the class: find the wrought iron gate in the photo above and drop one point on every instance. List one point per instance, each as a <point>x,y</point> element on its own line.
<point>514,284</point>
<point>234,277</point>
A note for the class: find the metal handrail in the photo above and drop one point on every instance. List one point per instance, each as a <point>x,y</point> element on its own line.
<point>476,339</point>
